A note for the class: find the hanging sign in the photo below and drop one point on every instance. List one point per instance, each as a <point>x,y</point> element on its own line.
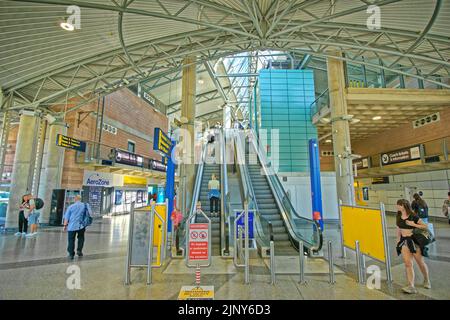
<point>129,158</point>
<point>401,155</point>
<point>70,143</point>
<point>161,142</point>
<point>362,163</point>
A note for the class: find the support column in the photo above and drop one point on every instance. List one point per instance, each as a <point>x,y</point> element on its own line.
<point>6,125</point>
<point>52,168</point>
<point>189,87</point>
<point>23,165</point>
<point>340,131</point>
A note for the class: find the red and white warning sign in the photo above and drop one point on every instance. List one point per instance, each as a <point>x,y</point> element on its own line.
<point>199,242</point>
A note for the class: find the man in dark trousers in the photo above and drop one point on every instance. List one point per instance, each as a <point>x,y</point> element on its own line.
<point>75,224</point>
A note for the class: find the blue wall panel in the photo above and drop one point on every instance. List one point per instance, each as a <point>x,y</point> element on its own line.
<point>286,97</point>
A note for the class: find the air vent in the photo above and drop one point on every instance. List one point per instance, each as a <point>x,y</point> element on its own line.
<point>435,117</point>
<point>109,128</point>
<point>327,153</point>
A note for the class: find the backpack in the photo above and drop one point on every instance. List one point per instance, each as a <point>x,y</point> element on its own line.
<point>38,203</point>
<point>87,219</point>
<point>422,211</point>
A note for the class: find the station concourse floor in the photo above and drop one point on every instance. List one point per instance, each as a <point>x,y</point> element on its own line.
<point>37,268</point>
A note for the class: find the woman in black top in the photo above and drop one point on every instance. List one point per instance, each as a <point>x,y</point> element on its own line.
<point>23,220</point>
<point>407,220</point>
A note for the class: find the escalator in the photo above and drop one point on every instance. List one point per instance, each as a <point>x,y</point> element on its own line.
<point>275,218</point>
<point>269,210</point>
<point>208,171</point>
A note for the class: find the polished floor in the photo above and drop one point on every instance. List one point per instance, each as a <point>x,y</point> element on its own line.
<point>37,268</point>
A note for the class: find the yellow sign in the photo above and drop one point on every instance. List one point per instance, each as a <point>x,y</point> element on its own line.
<point>196,293</point>
<point>364,225</point>
<point>130,180</point>
<point>70,143</point>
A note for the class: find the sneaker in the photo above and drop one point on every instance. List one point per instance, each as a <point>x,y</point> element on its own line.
<point>427,284</point>
<point>409,289</point>
<point>24,234</point>
<point>34,233</point>
<point>18,234</point>
<point>29,235</point>
<point>80,254</point>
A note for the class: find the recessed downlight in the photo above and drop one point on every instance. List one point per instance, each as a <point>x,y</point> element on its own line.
<point>328,141</point>
<point>201,81</point>
<point>376,118</point>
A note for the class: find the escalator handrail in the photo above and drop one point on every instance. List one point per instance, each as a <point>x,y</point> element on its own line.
<point>198,183</point>
<point>224,193</point>
<point>280,195</point>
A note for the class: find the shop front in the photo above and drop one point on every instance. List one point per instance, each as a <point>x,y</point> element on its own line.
<point>112,194</point>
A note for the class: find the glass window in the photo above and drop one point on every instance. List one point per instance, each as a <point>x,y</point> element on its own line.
<point>131,147</point>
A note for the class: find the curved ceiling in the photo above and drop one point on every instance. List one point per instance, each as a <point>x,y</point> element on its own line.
<point>123,42</point>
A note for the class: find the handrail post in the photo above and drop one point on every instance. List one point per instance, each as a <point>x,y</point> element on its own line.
<point>272,263</point>
<point>150,244</point>
<point>331,262</point>
<point>358,261</point>
<point>247,254</point>
<point>302,262</point>
<point>386,244</point>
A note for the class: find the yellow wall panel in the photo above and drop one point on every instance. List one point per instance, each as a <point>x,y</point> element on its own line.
<point>364,225</point>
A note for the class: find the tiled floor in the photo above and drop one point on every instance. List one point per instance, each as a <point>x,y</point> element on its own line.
<point>38,269</point>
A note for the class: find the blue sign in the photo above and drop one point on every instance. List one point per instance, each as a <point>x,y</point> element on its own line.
<point>241,222</point>
<point>161,143</point>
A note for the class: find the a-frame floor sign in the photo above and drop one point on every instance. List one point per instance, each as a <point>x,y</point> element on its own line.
<point>198,254</point>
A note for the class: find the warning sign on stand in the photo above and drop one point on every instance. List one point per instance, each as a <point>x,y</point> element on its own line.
<point>199,243</point>
<point>196,293</point>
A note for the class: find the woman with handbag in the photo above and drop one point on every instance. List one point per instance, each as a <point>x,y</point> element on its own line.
<point>408,246</point>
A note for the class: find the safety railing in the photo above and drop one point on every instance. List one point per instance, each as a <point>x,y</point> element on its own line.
<point>321,105</point>
<point>299,228</point>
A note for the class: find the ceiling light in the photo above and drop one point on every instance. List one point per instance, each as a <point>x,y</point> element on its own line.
<point>328,141</point>
<point>376,118</point>
<point>67,26</point>
<point>354,121</point>
<point>201,81</point>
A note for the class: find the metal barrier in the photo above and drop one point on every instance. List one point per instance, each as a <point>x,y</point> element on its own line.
<point>364,230</point>
<point>272,262</point>
<point>331,263</point>
<point>302,262</point>
<point>238,243</point>
<point>144,244</point>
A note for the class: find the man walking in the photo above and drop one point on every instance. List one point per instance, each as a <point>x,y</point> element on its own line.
<point>75,222</point>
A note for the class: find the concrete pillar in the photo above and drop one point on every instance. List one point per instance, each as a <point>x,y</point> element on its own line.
<point>340,131</point>
<point>39,156</point>
<point>52,168</point>
<point>227,117</point>
<point>188,93</point>
<point>22,174</point>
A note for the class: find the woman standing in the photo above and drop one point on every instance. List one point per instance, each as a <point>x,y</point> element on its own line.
<point>420,207</point>
<point>23,220</point>
<point>407,220</point>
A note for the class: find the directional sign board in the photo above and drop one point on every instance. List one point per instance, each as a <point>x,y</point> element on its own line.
<point>199,246</point>
<point>70,143</point>
<point>161,142</point>
<point>196,293</point>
